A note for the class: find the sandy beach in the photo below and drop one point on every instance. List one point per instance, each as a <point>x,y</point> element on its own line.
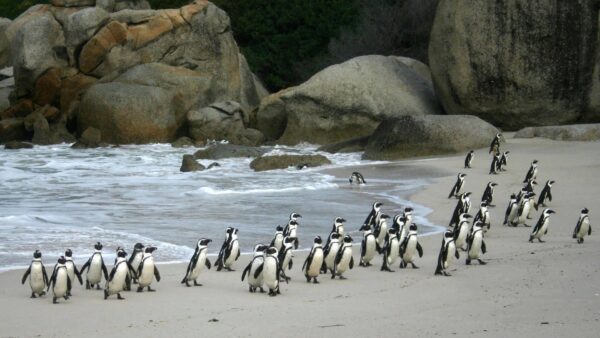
<point>547,289</point>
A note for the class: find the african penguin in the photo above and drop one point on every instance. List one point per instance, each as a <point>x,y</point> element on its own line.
<point>136,258</point>
<point>512,211</point>
<point>368,246</point>
<point>583,226</point>
<point>285,258</point>
<point>460,181</point>
<point>371,219</point>
<point>488,194</point>
<point>38,279</point>
<point>408,247</point>
<point>380,231</point>
<point>532,172</point>
<point>60,282</point>
<point>545,195</point>
<point>147,270</point>
<point>469,159</point>
<point>524,208</point>
<point>357,178</point>
<point>541,227</point>
<point>343,260</point>
<point>461,231</point>
<point>330,252</point>
<point>483,215</point>
<point>254,269</point>
<point>314,261</point>
<point>462,207</point>
<point>72,268</point>
<point>495,145</point>
<point>476,245</point>
<point>391,250</point>
<point>117,279</point>
<point>494,166</point>
<point>96,268</point>
<point>197,263</point>
<point>338,228</point>
<point>277,241</point>
<point>271,271</point>
<point>503,161</point>
<point>230,250</point>
<point>291,229</point>
<point>447,253</point>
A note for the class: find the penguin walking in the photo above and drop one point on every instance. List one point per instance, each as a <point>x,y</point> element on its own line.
<point>495,145</point>
<point>118,276</point>
<point>277,241</point>
<point>343,260</point>
<point>503,161</point>
<point>583,226</point>
<point>357,178</point>
<point>291,230</point>
<point>483,215</point>
<point>380,231</point>
<point>545,195</point>
<point>512,211</point>
<point>230,250</point>
<point>38,279</point>
<point>532,172</point>
<point>60,282</point>
<point>391,250</point>
<point>96,268</point>
<point>338,228</point>
<point>147,270</point>
<point>495,165</point>
<point>314,261</point>
<point>367,246</point>
<point>405,220</point>
<point>469,159</point>
<point>476,245</point>
<point>408,247</point>
<point>254,270</point>
<point>488,194</point>
<point>447,253</point>
<point>373,215</point>
<point>285,258</point>
<point>271,271</point>
<point>462,207</point>
<point>541,227</point>
<point>72,268</point>
<point>135,259</point>
<point>525,208</point>
<point>197,263</point>
<point>461,231</point>
<point>330,252</point>
<point>460,180</point>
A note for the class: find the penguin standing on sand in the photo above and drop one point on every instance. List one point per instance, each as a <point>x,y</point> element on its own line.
<point>512,211</point>
<point>447,253</point>
<point>314,261</point>
<point>330,252</point>
<point>545,195</point>
<point>373,216</point>
<point>462,207</point>
<point>460,180</point>
<point>476,245</point>
<point>391,250</point>
<point>38,279</point>
<point>72,268</point>
<point>461,231</point>
<point>495,165</point>
<point>469,159</point>
<point>338,228</point>
<point>524,208</point>
<point>495,145</point>
<point>380,231</point>
<point>147,270</point>
<point>483,216</point>
<point>343,260</point>
<point>357,178</point>
<point>118,276</point>
<point>285,258</point>
<point>230,250</point>
<point>277,241</point>
<point>135,259</point>
<point>532,172</point>
<point>291,229</point>
<point>254,269</point>
<point>96,268</point>
<point>408,247</point>
<point>583,226</point>
<point>60,282</point>
<point>367,246</point>
<point>197,263</point>
<point>541,227</point>
<point>271,271</point>
<point>488,194</point>
<point>503,161</point>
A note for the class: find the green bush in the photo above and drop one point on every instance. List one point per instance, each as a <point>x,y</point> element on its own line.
<point>12,8</point>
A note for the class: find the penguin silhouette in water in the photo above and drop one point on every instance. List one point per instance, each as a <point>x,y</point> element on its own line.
<point>357,178</point>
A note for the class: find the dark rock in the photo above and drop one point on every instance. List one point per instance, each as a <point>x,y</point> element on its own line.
<point>91,138</point>
<point>264,163</point>
<point>575,132</point>
<point>349,146</point>
<point>20,109</point>
<point>45,133</point>
<point>220,151</point>
<point>189,164</point>
<point>183,142</point>
<point>410,136</point>
<point>18,145</point>
<point>12,129</point>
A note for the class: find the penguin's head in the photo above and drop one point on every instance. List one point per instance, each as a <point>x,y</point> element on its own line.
<point>550,183</point>
<point>377,205</point>
<point>272,251</point>
<point>534,162</point>
<point>465,216</point>
<point>493,184</point>
<point>347,239</point>
<point>229,230</point>
<point>413,227</point>
<point>68,253</point>
<point>513,196</point>
<point>449,234</point>
<point>235,231</point>
<point>37,254</point>
<point>334,236</point>
<point>294,215</point>
<point>408,210</point>
<point>62,260</point>
<point>150,249</point>
<point>260,248</point>
<point>384,216</point>
<point>279,228</point>
<point>585,211</point>
<point>339,220</point>
<point>472,151</point>
<point>530,194</point>
<point>549,212</point>
<point>462,175</point>
<point>506,152</point>
<point>364,227</point>
<point>121,253</point>
<point>392,231</point>
<point>293,222</point>
<point>138,246</point>
<point>483,204</point>
<point>289,240</point>
<point>478,224</point>
<point>204,242</point>
<point>318,240</point>
<point>98,246</point>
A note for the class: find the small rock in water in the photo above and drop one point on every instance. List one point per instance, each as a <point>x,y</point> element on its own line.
<point>213,320</point>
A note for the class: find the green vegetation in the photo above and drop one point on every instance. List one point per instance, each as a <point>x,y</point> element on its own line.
<point>12,8</point>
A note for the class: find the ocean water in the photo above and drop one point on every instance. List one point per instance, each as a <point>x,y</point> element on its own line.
<point>53,198</point>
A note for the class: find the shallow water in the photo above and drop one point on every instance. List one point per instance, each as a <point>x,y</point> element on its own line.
<point>53,198</point>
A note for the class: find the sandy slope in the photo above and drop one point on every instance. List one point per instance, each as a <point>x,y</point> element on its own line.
<point>527,290</point>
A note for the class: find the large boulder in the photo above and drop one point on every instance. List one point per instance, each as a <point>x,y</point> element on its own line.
<point>7,84</point>
<point>410,136</point>
<point>514,62</point>
<point>221,151</point>
<point>4,44</point>
<point>264,163</point>
<point>347,100</point>
<point>13,129</point>
<point>593,111</point>
<point>73,3</point>
<point>189,163</point>
<point>574,132</point>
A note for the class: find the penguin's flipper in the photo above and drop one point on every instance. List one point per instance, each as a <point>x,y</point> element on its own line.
<point>207,263</point>
<point>112,273</point>
<point>549,195</point>
<point>78,274</point>
<point>589,229</point>
<point>191,266</point>
<point>45,275</point>
<point>140,267</point>
<point>104,270</point>
<point>25,275</point>
<point>69,283</point>
<point>52,279</point>
<point>305,262</point>
<point>156,274</point>
<point>246,270</point>
<point>351,263</point>
<point>483,248</point>
<point>456,254</point>
<point>363,247</point>
<point>290,264</point>
<point>420,249</point>
<point>259,270</point>
<point>238,255</point>
<point>86,265</point>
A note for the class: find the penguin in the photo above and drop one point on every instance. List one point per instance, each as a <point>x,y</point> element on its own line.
<point>118,276</point>
<point>476,244</point>
<point>367,246</point>
<point>285,258</point>
<point>371,219</point>
<point>330,252</point>
<point>408,247</point>
<point>197,263</point>
<point>271,271</point>
<point>130,271</point>
<point>277,241</point>
<point>483,215</point>
<point>135,259</point>
<point>528,186</point>
<point>96,268</point>
<point>461,231</point>
<point>495,145</point>
<point>147,270</point>
<point>314,261</point>
<point>405,220</point>
<point>254,269</point>
<point>503,161</point>
<point>494,166</point>
<point>462,207</point>
<point>469,159</point>
<point>512,211</point>
<point>291,229</point>
<point>447,253</point>
<point>72,268</point>
<point>583,226</point>
<point>541,227</point>
<point>488,194</point>
<point>38,279</point>
<point>60,282</point>
<point>391,250</point>
<point>357,178</point>
<point>460,180</point>
<point>545,195</point>
<point>524,209</point>
<point>230,250</point>
<point>343,260</point>
<point>532,172</point>
<point>380,231</point>
<point>338,228</point>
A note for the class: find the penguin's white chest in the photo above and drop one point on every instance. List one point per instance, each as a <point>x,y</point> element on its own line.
<point>542,229</point>
<point>369,249</point>
<point>293,232</point>
<point>340,230</point>
<point>200,263</point>
<point>70,270</point>
<point>335,247</point>
<point>60,285</point>
<point>513,213</point>
<point>137,259</point>
<point>118,282</point>
<point>94,275</point>
<point>278,242</point>
<point>462,236</point>
<point>344,263</point>
<point>315,264</point>
<point>382,233</point>
<point>36,278</point>
<point>409,252</point>
<point>475,248</point>
<point>525,212</point>
<point>147,273</point>
<point>403,233</point>
<point>585,227</point>
<point>394,251</point>
<point>270,273</point>
<point>235,248</point>
<point>450,255</point>
<point>286,260</point>
<point>258,281</point>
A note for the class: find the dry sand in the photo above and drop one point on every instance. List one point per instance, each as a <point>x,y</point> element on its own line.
<point>547,289</point>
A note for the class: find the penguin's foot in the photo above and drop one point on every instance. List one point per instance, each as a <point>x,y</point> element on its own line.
<point>119,296</point>
<point>251,289</point>
<point>342,277</point>
<point>307,279</point>
<point>413,265</point>
<point>540,240</point>
<point>229,269</point>
<point>361,263</point>
<point>197,284</point>
<point>468,262</point>
<point>272,293</point>
<point>33,295</point>
<point>98,286</point>
<point>402,265</point>
<point>105,294</point>
<point>526,225</point>
<point>187,283</point>
<point>481,262</point>
<point>150,290</point>
<point>140,289</point>
<point>54,300</point>
<point>261,289</point>
<point>315,281</point>
<point>87,285</point>
<point>580,240</point>
<point>447,274</point>
<point>69,293</point>
<point>438,272</point>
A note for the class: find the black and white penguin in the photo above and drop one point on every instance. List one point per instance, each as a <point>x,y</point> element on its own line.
<point>495,165</point>
<point>291,229</point>
<point>469,159</point>
<point>406,221</point>
<point>583,226</point>
<point>117,279</point>
<point>447,253</point>
<point>409,246</point>
<point>512,211</point>
<point>147,270</point>
<point>476,245</point>
<point>314,261</point>
<point>271,271</point>
<point>197,263</point>
<point>380,231</point>
<point>330,252</point>
<point>528,186</point>
<point>38,279</point>
<point>230,250</point>
<point>525,207</point>
<point>495,145</point>
<point>368,246</point>
<point>545,195</point>
<point>488,194</point>
<point>373,216</point>
<point>60,282</point>
<point>461,231</point>
<point>96,268</point>
<point>541,227</point>
<point>462,207</point>
<point>72,268</point>
<point>483,215</point>
<point>285,258</point>
<point>254,269</point>
<point>391,250</point>
<point>460,181</point>
<point>357,178</point>
<point>503,161</point>
<point>532,172</point>
<point>343,260</point>
<point>277,241</point>
<point>136,258</point>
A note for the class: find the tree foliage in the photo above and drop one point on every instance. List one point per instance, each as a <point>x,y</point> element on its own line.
<point>12,8</point>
